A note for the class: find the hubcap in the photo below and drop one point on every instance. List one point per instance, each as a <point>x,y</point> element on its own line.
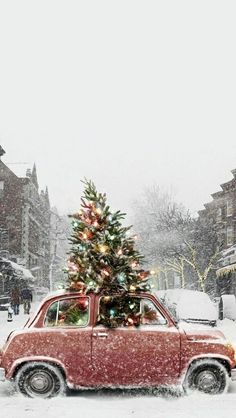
<point>40,382</point>
<point>207,381</point>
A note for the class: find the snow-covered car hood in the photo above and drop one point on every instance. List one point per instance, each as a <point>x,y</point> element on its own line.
<point>189,305</point>
<point>199,332</point>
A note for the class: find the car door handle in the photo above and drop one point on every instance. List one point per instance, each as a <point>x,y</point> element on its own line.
<point>100,334</point>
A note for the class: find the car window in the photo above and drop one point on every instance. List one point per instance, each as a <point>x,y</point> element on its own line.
<point>68,312</point>
<point>150,315</point>
<point>124,311</point>
<point>119,311</point>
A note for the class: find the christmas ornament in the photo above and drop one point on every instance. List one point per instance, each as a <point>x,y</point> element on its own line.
<point>112,312</point>
<point>82,303</point>
<point>143,274</point>
<point>121,278</point>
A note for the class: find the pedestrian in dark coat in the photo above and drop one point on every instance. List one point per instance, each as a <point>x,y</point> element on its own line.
<point>15,300</point>
<point>26,297</point>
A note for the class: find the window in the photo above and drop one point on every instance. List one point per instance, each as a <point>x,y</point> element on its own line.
<point>229,207</point>
<point>150,314</point>
<point>230,235</point>
<point>68,312</point>
<point>219,215</point>
<point>117,311</point>
<point>1,188</point>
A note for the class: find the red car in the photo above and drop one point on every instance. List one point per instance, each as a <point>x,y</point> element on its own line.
<point>66,343</point>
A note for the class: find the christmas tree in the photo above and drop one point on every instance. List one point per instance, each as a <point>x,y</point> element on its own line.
<point>103,255</point>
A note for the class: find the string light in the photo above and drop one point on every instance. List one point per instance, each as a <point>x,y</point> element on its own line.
<point>105,272</point>
<point>96,224</point>
<point>98,211</point>
<point>103,248</point>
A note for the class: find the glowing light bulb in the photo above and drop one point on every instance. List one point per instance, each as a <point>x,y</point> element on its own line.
<point>132,288</point>
<point>103,249</point>
<point>99,211</point>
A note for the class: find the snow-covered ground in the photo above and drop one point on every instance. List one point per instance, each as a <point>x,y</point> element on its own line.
<point>107,403</point>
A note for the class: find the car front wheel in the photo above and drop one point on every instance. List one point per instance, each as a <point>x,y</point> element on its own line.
<point>207,376</point>
<point>39,380</point>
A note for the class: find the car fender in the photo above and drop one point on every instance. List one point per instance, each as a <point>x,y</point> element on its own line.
<point>17,363</point>
<point>214,356</point>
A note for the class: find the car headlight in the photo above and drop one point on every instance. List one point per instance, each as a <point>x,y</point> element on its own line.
<point>232,348</point>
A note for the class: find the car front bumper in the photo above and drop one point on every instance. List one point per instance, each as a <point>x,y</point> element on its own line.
<point>2,374</point>
<point>233,374</point>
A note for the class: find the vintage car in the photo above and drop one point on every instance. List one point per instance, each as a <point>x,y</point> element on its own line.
<point>67,343</point>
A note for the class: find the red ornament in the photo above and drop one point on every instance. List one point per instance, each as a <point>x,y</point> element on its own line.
<point>82,303</point>
<point>143,274</point>
<point>90,234</point>
<point>86,235</point>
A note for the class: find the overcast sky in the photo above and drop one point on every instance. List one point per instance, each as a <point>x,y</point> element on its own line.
<point>126,93</point>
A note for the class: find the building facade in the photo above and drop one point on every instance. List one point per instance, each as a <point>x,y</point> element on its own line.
<point>60,233</point>
<point>222,209</point>
<point>25,221</point>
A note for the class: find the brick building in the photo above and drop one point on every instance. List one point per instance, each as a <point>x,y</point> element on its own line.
<point>222,209</point>
<point>25,221</point>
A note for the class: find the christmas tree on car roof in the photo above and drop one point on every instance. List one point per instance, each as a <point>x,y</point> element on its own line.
<point>103,256</point>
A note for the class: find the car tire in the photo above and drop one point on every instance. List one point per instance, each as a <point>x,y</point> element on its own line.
<point>206,376</point>
<point>38,379</point>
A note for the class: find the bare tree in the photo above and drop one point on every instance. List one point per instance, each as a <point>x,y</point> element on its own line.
<point>173,240</point>
<point>162,225</point>
<point>200,249</point>
<point>177,265</point>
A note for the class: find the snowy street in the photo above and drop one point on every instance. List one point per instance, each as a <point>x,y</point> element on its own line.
<point>104,403</point>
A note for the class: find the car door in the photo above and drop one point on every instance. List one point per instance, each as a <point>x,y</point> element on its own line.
<point>147,354</point>
<point>68,331</point>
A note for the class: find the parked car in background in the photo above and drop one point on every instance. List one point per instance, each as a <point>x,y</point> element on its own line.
<point>4,302</point>
<point>189,305</point>
<point>67,343</point>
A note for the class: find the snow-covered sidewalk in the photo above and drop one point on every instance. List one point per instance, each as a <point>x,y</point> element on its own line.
<point>17,322</point>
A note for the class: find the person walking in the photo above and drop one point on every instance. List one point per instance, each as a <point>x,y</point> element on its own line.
<point>26,297</point>
<point>15,300</point>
